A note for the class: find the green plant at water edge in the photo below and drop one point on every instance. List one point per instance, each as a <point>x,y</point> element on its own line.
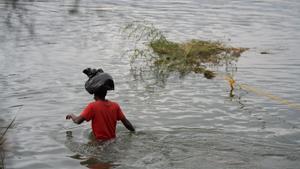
<point>2,141</point>
<point>1,158</point>
<point>2,155</point>
<point>167,56</point>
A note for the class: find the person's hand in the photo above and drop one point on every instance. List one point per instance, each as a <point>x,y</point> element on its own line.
<point>76,119</point>
<point>69,116</point>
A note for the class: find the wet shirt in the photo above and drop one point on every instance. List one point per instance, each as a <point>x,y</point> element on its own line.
<point>104,116</point>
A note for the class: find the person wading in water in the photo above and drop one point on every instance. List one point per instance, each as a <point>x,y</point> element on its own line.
<point>103,113</point>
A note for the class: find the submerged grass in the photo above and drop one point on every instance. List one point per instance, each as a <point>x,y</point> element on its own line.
<point>192,56</point>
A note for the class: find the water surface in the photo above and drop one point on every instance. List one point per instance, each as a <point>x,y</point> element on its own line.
<point>188,122</point>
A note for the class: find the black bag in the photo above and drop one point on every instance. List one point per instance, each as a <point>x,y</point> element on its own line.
<point>98,80</point>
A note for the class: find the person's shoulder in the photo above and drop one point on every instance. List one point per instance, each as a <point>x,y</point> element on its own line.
<point>113,103</point>
<point>93,103</point>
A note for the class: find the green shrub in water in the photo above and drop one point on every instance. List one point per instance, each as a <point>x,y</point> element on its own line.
<point>191,56</point>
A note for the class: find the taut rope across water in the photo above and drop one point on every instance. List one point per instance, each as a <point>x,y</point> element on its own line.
<point>260,92</point>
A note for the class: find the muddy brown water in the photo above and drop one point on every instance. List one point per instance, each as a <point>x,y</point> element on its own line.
<point>188,122</point>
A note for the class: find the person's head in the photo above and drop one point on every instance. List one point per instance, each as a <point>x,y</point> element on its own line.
<point>100,93</point>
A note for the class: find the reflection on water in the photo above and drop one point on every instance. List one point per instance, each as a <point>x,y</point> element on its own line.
<point>182,122</point>
<point>92,162</point>
<point>95,164</point>
<point>182,147</point>
<point>74,10</point>
<point>17,16</point>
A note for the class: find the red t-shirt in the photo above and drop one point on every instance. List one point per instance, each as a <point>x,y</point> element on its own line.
<point>104,116</point>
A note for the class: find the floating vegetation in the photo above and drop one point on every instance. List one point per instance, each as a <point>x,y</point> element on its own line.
<point>166,56</point>
<point>192,56</point>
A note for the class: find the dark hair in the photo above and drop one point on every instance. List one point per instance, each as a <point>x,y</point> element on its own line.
<point>101,92</point>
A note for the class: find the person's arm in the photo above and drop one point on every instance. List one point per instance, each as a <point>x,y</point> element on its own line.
<point>76,119</point>
<point>127,124</point>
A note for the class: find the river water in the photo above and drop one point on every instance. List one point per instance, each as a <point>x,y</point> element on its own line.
<point>182,122</point>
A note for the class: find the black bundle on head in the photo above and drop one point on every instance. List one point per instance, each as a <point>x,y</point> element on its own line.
<point>98,81</point>
<point>92,72</point>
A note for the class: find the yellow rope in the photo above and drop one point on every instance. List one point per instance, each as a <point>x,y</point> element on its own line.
<point>261,92</point>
